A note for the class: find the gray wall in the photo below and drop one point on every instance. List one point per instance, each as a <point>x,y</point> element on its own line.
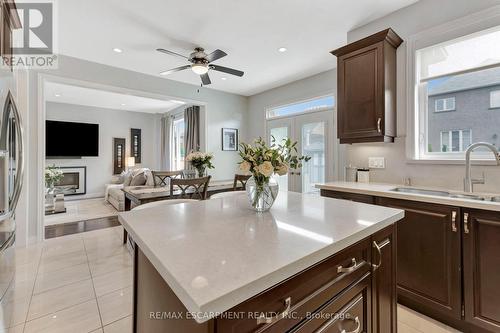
<point>112,124</point>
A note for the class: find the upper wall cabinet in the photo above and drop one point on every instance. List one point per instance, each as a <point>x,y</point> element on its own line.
<point>366,74</point>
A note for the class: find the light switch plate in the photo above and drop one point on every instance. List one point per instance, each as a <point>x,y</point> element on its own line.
<point>376,162</point>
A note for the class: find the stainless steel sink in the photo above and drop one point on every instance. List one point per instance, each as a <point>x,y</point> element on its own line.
<point>422,191</point>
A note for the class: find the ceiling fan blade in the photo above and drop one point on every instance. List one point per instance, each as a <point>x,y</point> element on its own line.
<point>173,70</point>
<point>205,79</point>
<point>227,70</point>
<point>217,54</point>
<point>171,53</point>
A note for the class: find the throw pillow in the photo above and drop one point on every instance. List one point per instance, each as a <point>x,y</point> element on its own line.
<point>150,181</point>
<point>138,179</point>
<point>127,179</point>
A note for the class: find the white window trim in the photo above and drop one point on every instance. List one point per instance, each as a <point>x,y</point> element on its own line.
<point>415,143</point>
<point>445,104</point>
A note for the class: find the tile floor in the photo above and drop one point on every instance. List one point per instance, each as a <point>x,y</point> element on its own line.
<point>77,283</point>
<point>79,210</point>
<point>82,283</point>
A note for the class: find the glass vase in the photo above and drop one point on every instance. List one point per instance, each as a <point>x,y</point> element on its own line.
<point>262,196</point>
<point>201,171</point>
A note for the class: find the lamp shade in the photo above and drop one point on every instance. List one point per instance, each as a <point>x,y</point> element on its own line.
<point>130,161</point>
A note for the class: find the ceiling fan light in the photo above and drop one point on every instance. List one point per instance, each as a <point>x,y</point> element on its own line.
<point>199,69</point>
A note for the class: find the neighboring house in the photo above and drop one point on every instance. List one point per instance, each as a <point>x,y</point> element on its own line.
<point>464,109</point>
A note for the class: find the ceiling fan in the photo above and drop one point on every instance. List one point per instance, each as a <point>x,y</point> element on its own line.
<point>201,63</point>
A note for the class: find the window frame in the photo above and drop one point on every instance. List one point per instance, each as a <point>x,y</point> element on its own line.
<point>269,109</point>
<point>445,104</point>
<point>416,151</point>
<point>450,139</point>
<point>491,99</point>
<point>174,160</point>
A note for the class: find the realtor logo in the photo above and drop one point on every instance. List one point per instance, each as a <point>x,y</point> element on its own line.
<point>33,37</point>
<point>37,29</point>
<point>36,34</point>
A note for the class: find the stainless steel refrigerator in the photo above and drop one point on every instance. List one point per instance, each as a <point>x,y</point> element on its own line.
<point>11,182</point>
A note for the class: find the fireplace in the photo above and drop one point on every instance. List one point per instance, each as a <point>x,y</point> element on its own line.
<point>73,181</point>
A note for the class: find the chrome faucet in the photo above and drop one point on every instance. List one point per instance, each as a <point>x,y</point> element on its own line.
<point>469,181</point>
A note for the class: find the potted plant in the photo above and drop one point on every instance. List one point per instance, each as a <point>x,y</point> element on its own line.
<point>263,162</point>
<point>200,161</point>
<point>53,175</point>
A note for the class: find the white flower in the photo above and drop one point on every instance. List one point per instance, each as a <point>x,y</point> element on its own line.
<point>282,169</point>
<point>266,169</point>
<point>245,166</point>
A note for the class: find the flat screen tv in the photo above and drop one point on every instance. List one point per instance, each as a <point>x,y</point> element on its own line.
<point>68,139</point>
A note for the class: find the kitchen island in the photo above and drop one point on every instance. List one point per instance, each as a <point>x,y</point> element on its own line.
<point>308,263</point>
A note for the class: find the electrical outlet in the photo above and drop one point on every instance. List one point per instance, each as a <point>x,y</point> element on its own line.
<point>376,162</point>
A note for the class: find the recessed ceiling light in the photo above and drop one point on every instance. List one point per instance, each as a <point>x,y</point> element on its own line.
<point>123,104</point>
<point>57,95</point>
<point>223,78</point>
<point>117,50</point>
<point>282,49</point>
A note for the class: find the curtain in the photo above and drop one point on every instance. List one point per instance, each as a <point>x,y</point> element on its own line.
<point>192,129</point>
<point>166,141</point>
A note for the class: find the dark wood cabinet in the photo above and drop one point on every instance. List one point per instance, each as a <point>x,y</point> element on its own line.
<point>429,252</point>
<point>481,259</point>
<point>448,263</point>
<point>368,199</point>
<point>384,294</point>
<point>366,85</point>
<point>343,293</point>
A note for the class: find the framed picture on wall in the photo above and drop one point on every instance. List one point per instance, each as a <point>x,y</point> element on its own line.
<point>135,144</point>
<point>230,139</point>
<point>118,155</point>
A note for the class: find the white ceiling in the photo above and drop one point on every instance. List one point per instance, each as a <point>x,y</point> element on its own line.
<point>250,32</point>
<point>63,93</point>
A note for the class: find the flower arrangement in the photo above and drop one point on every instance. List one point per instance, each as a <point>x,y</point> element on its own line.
<point>53,174</point>
<point>200,161</point>
<point>262,161</point>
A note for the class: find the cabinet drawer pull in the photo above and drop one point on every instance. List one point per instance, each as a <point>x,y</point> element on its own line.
<point>379,247</point>
<point>263,319</point>
<point>350,269</point>
<point>454,221</point>
<point>379,122</point>
<point>466,223</point>
<point>356,330</point>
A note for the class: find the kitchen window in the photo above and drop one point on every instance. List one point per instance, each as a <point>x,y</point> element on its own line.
<point>444,104</point>
<point>460,75</point>
<point>455,140</point>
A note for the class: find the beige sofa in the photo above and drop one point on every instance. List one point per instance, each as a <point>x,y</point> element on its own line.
<point>135,178</point>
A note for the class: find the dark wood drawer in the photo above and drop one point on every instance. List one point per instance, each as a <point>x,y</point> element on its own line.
<point>348,312</point>
<point>306,292</point>
<point>349,196</point>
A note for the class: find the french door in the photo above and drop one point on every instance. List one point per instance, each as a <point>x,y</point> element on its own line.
<point>314,134</point>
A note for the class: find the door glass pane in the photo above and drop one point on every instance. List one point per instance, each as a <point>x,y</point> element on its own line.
<point>280,133</point>
<point>313,145</point>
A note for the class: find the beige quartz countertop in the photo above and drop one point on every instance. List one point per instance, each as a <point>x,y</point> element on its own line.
<point>215,254</point>
<point>385,190</point>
